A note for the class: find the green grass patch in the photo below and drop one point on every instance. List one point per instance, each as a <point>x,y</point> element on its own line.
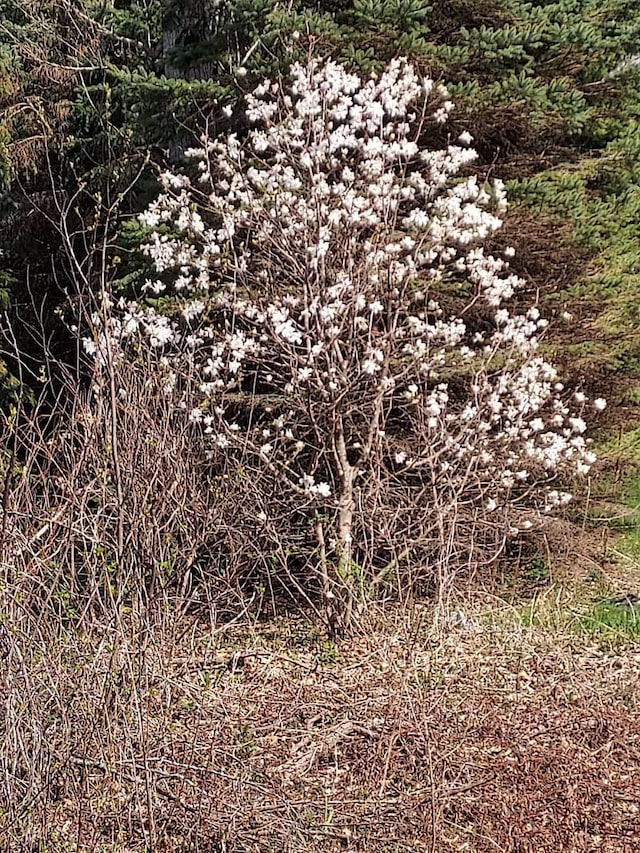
<point>615,497</point>
<point>611,621</point>
<point>629,524</point>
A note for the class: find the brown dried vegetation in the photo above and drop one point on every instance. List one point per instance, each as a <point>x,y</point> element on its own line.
<point>176,737</point>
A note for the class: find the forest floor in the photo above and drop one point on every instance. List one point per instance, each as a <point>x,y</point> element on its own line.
<point>511,725</point>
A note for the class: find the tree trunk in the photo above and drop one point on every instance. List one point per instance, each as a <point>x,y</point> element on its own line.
<point>345,581</point>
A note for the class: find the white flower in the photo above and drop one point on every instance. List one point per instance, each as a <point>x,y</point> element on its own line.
<point>192,310</point>
<point>600,404</point>
<point>322,489</point>
<point>160,334</point>
<point>577,425</point>
<point>369,366</point>
<point>288,332</point>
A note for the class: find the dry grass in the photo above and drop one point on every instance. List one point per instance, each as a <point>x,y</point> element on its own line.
<point>499,732</point>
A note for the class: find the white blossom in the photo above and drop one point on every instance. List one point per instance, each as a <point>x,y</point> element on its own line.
<point>316,257</point>
<point>322,489</point>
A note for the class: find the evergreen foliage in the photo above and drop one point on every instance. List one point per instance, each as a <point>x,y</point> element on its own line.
<point>549,91</point>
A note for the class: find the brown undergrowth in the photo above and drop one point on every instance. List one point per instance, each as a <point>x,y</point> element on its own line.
<point>496,729</point>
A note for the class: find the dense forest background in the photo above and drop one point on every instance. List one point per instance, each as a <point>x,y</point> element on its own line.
<point>94,97</point>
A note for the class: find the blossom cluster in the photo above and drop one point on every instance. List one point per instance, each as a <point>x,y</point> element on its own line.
<point>329,261</point>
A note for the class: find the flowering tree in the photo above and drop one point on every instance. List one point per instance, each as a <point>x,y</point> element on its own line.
<point>338,329</point>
